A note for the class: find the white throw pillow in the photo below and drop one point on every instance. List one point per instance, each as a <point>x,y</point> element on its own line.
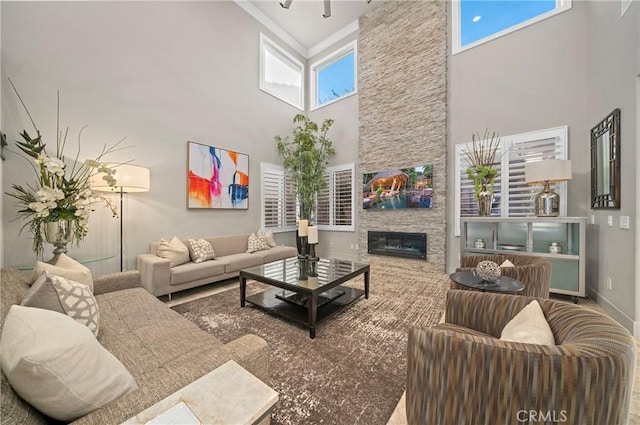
<point>66,267</point>
<point>175,251</point>
<point>529,326</point>
<point>64,296</point>
<point>200,250</point>
<point>268,236</point>
<point>256,243</point>
<point>507,263</point>
<point>57,365</point>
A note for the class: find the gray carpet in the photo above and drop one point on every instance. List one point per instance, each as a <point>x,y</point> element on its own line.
<point>353,372</point>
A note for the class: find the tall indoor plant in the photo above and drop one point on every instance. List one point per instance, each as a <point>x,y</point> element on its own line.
<point>306,157</point>
<point>481,170</point>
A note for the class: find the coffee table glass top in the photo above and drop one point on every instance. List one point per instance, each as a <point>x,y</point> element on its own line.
<point>501,284</point>
<point>288,271</point>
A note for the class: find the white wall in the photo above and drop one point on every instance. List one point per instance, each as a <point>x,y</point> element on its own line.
<point>613,64</point>
<point>157,73</point>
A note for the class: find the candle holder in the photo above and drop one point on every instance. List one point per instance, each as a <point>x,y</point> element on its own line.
<point>303,268</point>
<point>302,248</point>
<point>313,260</point>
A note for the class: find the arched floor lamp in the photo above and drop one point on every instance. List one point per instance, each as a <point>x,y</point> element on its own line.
<point>129,179</point>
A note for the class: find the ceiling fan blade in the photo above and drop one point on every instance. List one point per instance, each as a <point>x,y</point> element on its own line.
<point>327,8</point>
<point>286,4</point>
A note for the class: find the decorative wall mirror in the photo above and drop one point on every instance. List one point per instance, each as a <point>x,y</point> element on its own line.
<point>605,162</point>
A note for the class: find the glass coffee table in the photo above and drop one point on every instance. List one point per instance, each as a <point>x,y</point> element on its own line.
<point>302,298</point>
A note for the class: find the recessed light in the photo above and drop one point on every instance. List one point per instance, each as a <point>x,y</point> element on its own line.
<point>477,18</point>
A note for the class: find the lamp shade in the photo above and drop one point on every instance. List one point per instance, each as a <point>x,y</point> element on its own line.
<point>548,170</point>
<point>129,178</point>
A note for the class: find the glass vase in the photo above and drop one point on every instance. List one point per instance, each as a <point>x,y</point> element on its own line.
<point>485,200</point>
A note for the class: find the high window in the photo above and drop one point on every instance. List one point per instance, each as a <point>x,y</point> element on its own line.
<point>333,77</point>
<point>335,207</point>
<point>281,75</point>
<point>478,21</point>
<point>513,197</point>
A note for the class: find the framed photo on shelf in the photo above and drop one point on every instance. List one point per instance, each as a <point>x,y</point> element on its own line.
<point>216,177</point>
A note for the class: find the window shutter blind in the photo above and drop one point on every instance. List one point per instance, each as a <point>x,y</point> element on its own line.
<point>278,198</point>
<point>343,197</point>
<point>513,197</point>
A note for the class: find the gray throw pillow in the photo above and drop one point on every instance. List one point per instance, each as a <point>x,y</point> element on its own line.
<point>65,296</point>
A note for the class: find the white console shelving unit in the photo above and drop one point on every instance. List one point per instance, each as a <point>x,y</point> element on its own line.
<point>532,236</point>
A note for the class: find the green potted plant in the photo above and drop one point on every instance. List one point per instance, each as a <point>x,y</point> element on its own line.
<point>306,156</point>
<point>481,160</point>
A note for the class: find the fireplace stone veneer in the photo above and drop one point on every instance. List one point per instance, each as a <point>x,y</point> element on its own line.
<point>398,244</point>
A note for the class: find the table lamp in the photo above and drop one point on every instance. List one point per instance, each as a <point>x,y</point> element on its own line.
<point>547,202</point>
<point>129,178</point>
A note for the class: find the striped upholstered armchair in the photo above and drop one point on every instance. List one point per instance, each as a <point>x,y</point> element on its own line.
<point>534,272</point>
<point>459,372</point>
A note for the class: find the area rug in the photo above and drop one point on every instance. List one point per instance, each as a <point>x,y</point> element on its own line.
<point>354,371</point>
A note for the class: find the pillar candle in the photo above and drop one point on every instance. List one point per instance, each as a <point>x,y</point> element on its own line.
<point>303,227</point>
<point>313,234</point>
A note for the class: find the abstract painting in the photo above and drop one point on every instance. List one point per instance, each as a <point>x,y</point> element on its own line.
<point>217,178</point>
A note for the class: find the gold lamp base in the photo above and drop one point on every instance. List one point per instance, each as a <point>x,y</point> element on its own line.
<point>547,202</point>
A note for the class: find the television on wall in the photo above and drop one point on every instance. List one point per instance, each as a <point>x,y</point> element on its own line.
<point>398,188</point>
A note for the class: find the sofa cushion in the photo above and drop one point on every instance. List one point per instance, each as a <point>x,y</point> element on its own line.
<point>277,253</point>
<point>236,262</point>
<point>229,244</point>
<point>529,326</point>
<point>64,296</point>
<point>200,250</point>
<point>194,271</point>
<point>66,267</point>
<point>57,365</point>
<point>175,251</point>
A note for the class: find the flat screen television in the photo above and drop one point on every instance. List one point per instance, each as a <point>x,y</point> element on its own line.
<point>398,188</point>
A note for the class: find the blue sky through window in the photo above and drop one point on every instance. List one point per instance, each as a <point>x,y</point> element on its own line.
<point>481,18</point>
<point>336,79</point>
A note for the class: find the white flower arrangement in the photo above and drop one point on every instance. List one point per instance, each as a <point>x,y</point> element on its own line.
<point>62,191</point>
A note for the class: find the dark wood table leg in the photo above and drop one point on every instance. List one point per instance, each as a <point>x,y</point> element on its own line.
<point>366,284</point>
<point>243,290</point>
<point>312,308</point>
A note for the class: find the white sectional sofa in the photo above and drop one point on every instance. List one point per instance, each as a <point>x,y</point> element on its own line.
<point>230,257</point>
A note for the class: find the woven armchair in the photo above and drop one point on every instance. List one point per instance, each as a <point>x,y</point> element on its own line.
<point>534,272</point>
<point>458,372</point>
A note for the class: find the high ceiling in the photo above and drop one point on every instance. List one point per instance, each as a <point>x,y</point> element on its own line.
<point>304,22</point>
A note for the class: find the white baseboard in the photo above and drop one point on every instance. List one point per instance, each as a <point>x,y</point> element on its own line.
<point>617,314</point>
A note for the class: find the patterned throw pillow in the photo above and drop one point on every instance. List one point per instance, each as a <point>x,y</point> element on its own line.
<point>200,250</point>
<point>256,243</point>
<point>268,236</point>
<point>64,296</point>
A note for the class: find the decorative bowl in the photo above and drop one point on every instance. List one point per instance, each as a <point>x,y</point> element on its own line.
<point>488,270</point>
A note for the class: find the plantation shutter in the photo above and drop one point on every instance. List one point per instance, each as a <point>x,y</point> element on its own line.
<point>513,197</point>
<point>335,205</point>
<point>536,147</point>
<point>278,198</point>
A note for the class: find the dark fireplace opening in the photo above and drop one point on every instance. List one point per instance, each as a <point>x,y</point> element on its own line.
<point>398,244</point>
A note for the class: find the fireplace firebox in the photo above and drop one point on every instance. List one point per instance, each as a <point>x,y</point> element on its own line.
<point>398,244</point>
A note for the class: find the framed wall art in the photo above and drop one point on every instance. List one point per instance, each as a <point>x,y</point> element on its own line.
<point>216,178</point>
